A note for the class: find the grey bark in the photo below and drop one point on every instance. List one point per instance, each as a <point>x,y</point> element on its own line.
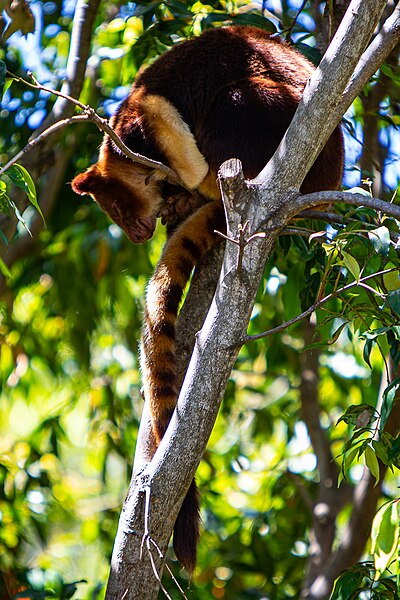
<point>322,98</point>
<point>269,201</point>
<point>374,153</point>
<point>196,305</point>
<point>333,14</point>
<point>363,499</point>
<point>329,500</point>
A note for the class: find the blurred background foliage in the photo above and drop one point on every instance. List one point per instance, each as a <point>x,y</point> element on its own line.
<point>70,319</point>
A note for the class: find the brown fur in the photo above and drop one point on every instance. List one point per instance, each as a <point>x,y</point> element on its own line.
<point>231,92</point>
<point>175,140</point>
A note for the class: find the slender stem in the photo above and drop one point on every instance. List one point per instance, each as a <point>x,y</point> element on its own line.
<point>371,60</point>
<point>38,86</point>
<point>316,198</point>
<point>314,307</point>
<point>102,124</point>
<point>289,32</point>
<point>37,140</point>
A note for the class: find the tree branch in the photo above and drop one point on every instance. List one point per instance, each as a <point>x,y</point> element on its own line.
<point>79,52</point>
<point>371,60</point>
<point>365,497</point>
<point>310,410</point>
<point>37,141</point>
<point>195,308</point>
<point>214,355</point>
<point>267,201</point>
<point>322,97</point>
<point>77,58</point>
<point>329,22</point>
<point>329,500</point>
<point>314,307</point>
<point>89,114</point>
<point>317,198</point>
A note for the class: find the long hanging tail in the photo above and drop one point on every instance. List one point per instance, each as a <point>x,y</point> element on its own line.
<point>191,241</point>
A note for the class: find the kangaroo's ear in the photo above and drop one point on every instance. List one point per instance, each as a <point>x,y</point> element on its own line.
<point>88,182</point>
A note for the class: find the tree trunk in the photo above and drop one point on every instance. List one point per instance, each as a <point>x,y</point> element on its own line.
<point>268,203</point>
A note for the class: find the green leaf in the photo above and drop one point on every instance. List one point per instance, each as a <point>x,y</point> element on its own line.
<point>53,582</point>
<point>348,460</point>
<point>387,119</point>
<point>254,19</point>
<point>341,476</point>
<point>19,216</point>
<point>352,413</point>
<point>8,84</point>
<point>4,269</point>
<point>309,52</point>
<point>390,394</point>
<point>372,463</point>
<point>20,177</point>
<point>380,451</point>
<point>335,336</point>
<point>70,588</point>
<point>330,250</point>
<point>347,585</point>
<point>394,451</point>
<point>385,536</point>
<point>393,337</point>
<point>354,440</point>
<point>351,264</point>
<point>380,239</point>
<point>4,200</point>
<point>374,333</point>
<point>390,585</point>
<point>3,238</point>
<point>367,352</point>
<point>392,280</point>
<point>393,299</point>
<point>388,71</point>
<point>143,9</point>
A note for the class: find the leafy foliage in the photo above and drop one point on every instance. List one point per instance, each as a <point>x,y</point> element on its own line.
<point>358,582</point>
<point>19,176</point>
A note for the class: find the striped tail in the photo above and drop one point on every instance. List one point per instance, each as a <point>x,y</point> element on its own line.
<point>183,250</point>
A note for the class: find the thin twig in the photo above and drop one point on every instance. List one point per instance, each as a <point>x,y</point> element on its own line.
<point>358,200</point>
<point>370,289</point>
<point>311,309</point>
<point>301,232</point>
<point>30,145</point>
<point>156,575</point>
<point>289,31</point>
<point>241,241</point>
<point>125,593</point>
<point>149,540</point>
<point>90,115</point>
<point>174,579</point>
<point>38,86</point>
<point>327,217</point>
<point>146,533</point>
<point>146,538</point>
